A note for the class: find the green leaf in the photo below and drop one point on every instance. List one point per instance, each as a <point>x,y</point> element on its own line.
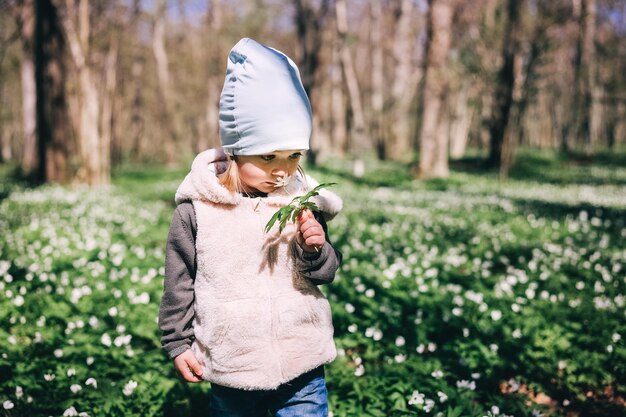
<point>292,210</point>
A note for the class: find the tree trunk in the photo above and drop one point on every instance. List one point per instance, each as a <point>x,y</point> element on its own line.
<point>136,112</point>
<point>503,99</point>
<point>216,54</point>
<point>584,74</point>
<point>405,80</point>
<point>6,153</point>
<point>461,122</point>
<point>514,122</point>
<point>52,117</point>
<point>358,136</point>
<point>377,121</point>
<point>309,28</point>
<point>165,85</point>
<point>32,165</point>
<point>433,161</point>
<point>91,147</point>
<point>108,102</point>
<point>338,114</point>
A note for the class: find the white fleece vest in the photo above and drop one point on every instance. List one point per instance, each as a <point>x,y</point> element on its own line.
<point>257,323</point>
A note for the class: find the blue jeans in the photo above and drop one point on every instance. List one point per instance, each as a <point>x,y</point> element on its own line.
<point>304,396</point>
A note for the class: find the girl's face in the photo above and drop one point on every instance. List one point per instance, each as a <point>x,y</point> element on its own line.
<point>260,172</point>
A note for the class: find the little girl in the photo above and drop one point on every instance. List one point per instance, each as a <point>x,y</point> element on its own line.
<point>241,307</point>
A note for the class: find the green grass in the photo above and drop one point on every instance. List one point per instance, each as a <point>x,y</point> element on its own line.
<point>451,292</point>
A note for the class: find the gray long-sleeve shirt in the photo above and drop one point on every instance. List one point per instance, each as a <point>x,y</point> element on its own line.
<point>177,311</point>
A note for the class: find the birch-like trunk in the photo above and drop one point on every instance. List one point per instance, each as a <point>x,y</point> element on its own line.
<point>108,102</point>
<point>461,121</point>
<point>377,121</point>
<point>338,114</point>
<point>165,85</point>
<point>358,136</point>
<point>6,153</point>
<point>405,81</point>
<point>31,158</point>
<point>433,161</point>
<point>210,138</point>
<point>92,171</point>
<point>585,75</point>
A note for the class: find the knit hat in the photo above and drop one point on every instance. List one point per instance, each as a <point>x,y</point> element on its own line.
<point>263,106</point>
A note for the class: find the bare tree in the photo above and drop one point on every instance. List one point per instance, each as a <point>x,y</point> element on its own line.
<point>433,162</point>
<point>358,135</point>
<point>215,21</point>
<point>166,91</point>
<point>310,20</point>
<point>405,81</point>
<point>53,128</point>
<point>585,111</point>
<point>377,117</point>
<point>504,89</point>
<point>32,158</point>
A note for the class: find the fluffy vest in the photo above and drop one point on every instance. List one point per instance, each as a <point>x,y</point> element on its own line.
<point>257,323</point>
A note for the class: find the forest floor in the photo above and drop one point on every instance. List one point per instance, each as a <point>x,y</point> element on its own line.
<point>467,296</point>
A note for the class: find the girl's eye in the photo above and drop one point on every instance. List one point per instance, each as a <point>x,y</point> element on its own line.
<point>267,157</point>
<point>296,155</point>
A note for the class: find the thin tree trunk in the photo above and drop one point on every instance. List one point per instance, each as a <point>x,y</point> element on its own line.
<point>31,158</point>
<point>5,150</point>
<point>338,114</point>
<point>503,99</point>
<point>433,161</point>
<point>136,113</point>
<point>215,23</point>
<point>358,136</point>
<point>165,85</point>
<point>378,79</point>
<point>461,122</point>
<point>512,129</point>
<point>108,103</point>
<point>52,117</point>
<point>92,171</point>
<point>584,73</point>
<point>309,28</point>
<point>404,84</point>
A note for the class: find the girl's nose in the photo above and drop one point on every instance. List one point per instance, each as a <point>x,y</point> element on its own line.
<point>279,171</point>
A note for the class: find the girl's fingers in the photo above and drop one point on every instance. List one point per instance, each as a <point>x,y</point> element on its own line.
<point>188,367</point>
<point>195,366</point>
<point>312,231</point>
<point>305,215</point>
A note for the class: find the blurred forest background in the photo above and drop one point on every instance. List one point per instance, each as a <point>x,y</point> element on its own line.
<point>89,85</point>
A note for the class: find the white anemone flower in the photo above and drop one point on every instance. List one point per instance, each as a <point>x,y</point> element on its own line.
<point>70,412</point>
<point>417,398</point>
<point>282,182</point>
<point>129,387</point>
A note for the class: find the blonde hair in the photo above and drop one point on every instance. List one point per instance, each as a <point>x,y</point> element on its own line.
<point>231,180</point>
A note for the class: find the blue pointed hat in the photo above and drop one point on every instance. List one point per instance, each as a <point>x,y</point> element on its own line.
<point>263,105</point>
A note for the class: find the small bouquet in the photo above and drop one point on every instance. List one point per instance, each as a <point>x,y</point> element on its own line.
<point>292,210</point>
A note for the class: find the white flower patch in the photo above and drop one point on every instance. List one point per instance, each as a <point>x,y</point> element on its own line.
<point>465,384</point>
<point>417,398</point>
<point>130,386</point>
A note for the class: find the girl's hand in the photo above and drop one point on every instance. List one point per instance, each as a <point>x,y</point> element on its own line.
<point>311,237</point>
<point>188,366</point>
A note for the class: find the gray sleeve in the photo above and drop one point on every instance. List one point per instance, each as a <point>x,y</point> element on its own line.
<point>177,311</point>
<point>319,267</point>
